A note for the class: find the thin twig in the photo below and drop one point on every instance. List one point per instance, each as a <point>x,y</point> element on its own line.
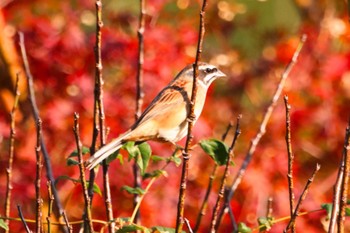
<point>338,188</point>
<point>203,209</point>
<point>262,129</point>
<point>11,153</point>
<point>139,94</point>
<point>269,208</point>
<point>188,225</point>
<point>31,96</point>
<point>224,177</point>
<point>290,159</point>
<point>87,215</point>
<point>22,219</point>
<point>39,165</point>
<point>49,209</point>
<point>345,180</point>
<point>191,116</point>
<point>302,198</point>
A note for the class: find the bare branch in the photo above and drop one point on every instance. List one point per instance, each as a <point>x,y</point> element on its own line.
<point>191,116</point>
<point>11,153</point>
<point>39,165</point>
<point>31,96</point>
<point>290,160</point>
<point>87,200</point>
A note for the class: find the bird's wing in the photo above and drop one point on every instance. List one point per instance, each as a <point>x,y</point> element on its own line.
<point>172,98</point>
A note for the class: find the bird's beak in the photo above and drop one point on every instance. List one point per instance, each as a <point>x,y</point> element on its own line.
<point>220,74</point>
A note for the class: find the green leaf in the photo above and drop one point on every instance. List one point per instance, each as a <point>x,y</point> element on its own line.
<point>95,189</point>
<point>155,173</point>
<point>133,228</point>
<point>132,150</point>
<point>328,208</point>
<point>146,152</point>
<point>156,158</point>
<point>176,160</point>
<point>265,224</point>
<point>3,225</point>
<point>242,228</point>
<point>84,150</point>
<point>216,149</point>
<point>112,157</point>
<point>72,162</point>
<point>159,229</point>
<point>132,190</point>
<point>347,211</point>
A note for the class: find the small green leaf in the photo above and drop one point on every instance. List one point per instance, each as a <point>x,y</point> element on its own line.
<point>84,150</point>
<point>242,228</point>
<point>328,208</point>
<point>132,190</point>
<point>159,229</point>
<point>3,225</point>
<point>133,228</point>
<point>155,173</point>
<point>215,149</point>
<point>347,211</point>
<point>72,162</point>
<point>176,160</point>
<point>265,224</point>
<point>146,152</point>
<point>156,158</point>
<point>112,157</point>
<point>96,189</point>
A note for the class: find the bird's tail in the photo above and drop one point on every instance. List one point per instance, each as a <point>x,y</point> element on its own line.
<point>105,151</point>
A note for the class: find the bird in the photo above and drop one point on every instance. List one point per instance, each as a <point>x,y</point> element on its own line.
<point>166,117</point>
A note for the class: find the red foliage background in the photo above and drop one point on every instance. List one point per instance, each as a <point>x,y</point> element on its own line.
<point>251,41</point>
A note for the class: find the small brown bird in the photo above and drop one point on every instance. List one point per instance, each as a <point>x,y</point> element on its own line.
<point>165,119</point>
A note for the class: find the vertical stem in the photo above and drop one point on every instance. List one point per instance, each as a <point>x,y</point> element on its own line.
<point>49,210</point>
<point>31,96</point>
<point>213,228</point>
<point>345,180</point>
<point>191,117</point>
<point>39,201</point>
<point>88,218</point>
<point>290,160</point>
<point>101,115</point>
<point>12,149</point>
<point>139,93</point>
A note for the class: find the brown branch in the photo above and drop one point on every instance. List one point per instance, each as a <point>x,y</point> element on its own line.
<point>87,215</point>
<point>338,188</point>
<point>31,96</point>
<point>302,198</point>
<point>49,209</point>
<point>190,117</point>
<point>22,219</point>
<point>262,129</point>
<point>39,165</point>
<point>139,94</point>
<point>290,159</point>
<point>213,226</point>
<point>11,153</point>
<point>204,205</point>
<point>345,181</point>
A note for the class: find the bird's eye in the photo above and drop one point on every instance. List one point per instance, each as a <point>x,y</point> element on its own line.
<point>209,70</point>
